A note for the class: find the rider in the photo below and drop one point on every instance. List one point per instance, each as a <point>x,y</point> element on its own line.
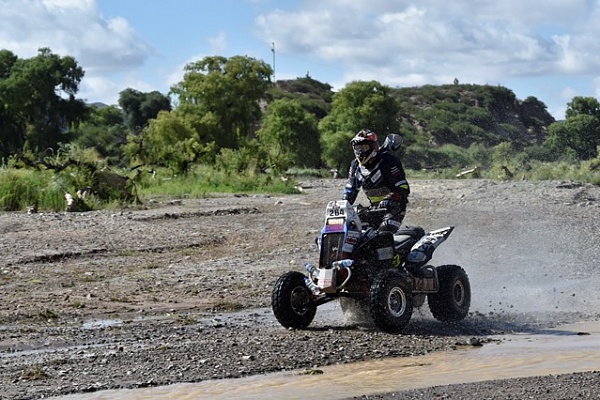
<point>382,178</point>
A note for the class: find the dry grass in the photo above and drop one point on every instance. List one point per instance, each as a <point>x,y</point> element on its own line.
<point>35,373</point>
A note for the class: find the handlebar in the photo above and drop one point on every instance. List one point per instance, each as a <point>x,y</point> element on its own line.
<point>370,216</point>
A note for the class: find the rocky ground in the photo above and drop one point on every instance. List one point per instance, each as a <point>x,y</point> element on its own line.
<point>179,290</point>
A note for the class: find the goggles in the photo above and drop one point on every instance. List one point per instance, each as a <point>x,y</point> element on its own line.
<point>361,148</point>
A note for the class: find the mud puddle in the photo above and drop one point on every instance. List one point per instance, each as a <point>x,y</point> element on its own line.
<point>569,348</point>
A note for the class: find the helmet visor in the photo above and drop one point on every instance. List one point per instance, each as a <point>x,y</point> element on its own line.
<point>362,151</point>
<point>361,148</point>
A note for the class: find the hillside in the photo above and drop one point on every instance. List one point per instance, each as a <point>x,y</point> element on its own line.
<point>465,114</point>
<point>314,96</point>
<point>459,114</point>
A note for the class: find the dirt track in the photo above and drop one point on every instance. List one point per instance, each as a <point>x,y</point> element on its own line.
<point>179,291</point>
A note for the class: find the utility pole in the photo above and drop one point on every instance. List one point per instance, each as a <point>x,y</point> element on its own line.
<point>273,50</point>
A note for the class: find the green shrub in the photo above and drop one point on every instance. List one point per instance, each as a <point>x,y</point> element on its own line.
<point>205,180</point>
<point>21,188</point>
<point>427,157</point>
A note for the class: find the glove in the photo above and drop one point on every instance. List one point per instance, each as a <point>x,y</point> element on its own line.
<point>385,203</point>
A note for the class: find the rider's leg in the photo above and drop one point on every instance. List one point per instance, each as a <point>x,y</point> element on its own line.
<point>393,218</point>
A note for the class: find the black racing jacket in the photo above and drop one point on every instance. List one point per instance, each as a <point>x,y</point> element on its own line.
<point>385,180</point>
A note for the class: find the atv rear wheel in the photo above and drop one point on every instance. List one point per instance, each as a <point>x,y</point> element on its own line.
<point>391,302</point>
<point>452,301</point>
<point>290,301</point>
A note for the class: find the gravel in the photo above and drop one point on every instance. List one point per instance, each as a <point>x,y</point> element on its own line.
<point>178,290</point>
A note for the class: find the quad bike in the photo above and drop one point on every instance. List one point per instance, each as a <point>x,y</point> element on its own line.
<point>380,274</point>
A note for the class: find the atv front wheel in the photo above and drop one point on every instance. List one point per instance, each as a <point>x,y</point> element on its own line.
<point>391,302</point>
<point>290,300</point>
<point>452,301</point>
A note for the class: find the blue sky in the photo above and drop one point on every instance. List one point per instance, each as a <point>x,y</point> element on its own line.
<point>542,48</point>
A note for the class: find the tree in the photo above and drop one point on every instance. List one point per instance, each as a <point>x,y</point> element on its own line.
<point>38,101</point>
<point>358,105</point>
<point>11,135</point>
<point>228,91</point>
<point>140,107</point>
<point>167,141</point>
<point>290,135</point>
<point>580,132</point>
<point>105,131</point>
<point>583,106</point>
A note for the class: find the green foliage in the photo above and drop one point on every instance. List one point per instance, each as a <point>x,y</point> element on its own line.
<point>481,155</point>
<point>249,159</point>
<point>78,176</point>
<point>104,131</point>
<point>580,132</point>
<point>411,134</point>
<point>530,113</point>
<point>37,101</point>
<point>456,123</point>
<point>502,153</point>
<point>17,190</point>
<point>466,114</point>
<point>547,171</point>
<point>563,171</point>
<point>79,170</point>
<point>358,105</point>
<point>206,180</point>
<point>139,108</point>
<point>234,130</point>
<point>173,143</point>
<point>592,168</point>
<point>511,132</point>
<point>290,136</point>
<point>539,153</point>
<point>314,96</point>
<point>427,157</point>
<point>337,151</point>
<point>230,91</point>
<point>583,106</point>
<point>20,189</point>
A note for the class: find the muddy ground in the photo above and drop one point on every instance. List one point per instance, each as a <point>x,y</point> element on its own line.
<point>179,290</point>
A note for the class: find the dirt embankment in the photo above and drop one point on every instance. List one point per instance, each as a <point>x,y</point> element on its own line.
<point>179,291</point>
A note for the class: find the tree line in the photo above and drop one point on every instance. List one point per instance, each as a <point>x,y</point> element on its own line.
<point>227,113</point>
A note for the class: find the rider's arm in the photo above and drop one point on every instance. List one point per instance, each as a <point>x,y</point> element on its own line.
<point>396,181</point>
<point>353,185</point>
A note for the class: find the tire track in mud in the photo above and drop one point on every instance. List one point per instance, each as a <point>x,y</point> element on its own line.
<point>218,212</point>
<point>50,258</point>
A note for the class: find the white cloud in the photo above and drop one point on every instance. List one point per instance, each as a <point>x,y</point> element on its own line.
<point>597,86</point>
<point>398,43</point>
<point>432,42</point>
<point>106,90</point>
<point>102,89</point>
<point>568,93</point>
<point>219,43</point>
<point>75,28</point>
